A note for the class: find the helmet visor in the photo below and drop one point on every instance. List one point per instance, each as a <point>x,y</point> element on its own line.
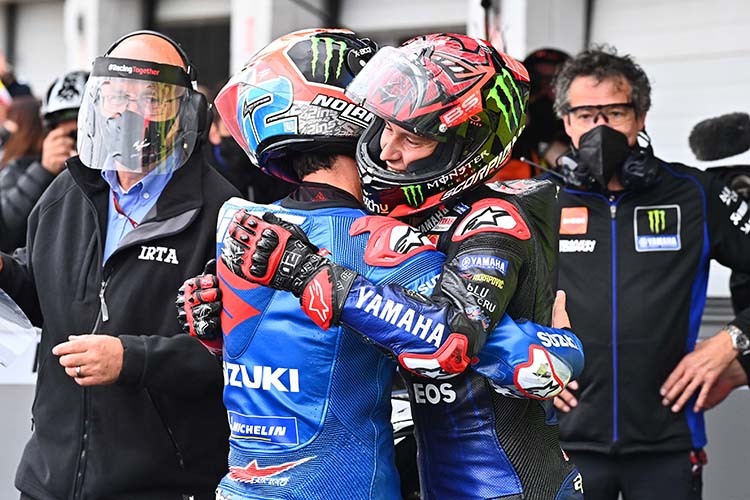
<point>137,116</point>
<point>407,88</point>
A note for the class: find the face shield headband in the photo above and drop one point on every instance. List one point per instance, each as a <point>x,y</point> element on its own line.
<point>115,67</point>
<point>137,116</point>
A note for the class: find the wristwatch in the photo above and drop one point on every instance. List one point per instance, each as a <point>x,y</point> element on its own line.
<point>740,341</point>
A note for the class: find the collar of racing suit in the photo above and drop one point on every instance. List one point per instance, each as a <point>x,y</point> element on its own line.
<point>311,195</point>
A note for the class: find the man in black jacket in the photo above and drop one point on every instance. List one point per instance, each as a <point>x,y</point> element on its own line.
<point>636,238</point>
<point>126,406</point>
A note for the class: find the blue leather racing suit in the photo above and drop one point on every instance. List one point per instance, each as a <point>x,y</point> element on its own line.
<point>309,409</point>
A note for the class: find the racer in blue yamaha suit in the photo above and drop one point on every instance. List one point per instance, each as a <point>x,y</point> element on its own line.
<point>477,438</point>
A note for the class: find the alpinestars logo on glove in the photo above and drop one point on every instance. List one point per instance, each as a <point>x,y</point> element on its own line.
<point>538,378</point>
<point>316,299</point>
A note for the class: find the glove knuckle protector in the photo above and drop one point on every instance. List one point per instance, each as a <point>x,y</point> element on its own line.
<point>279,254</point>
<point>198,309</point>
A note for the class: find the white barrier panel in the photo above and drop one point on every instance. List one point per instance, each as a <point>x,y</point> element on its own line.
<point>22,370</point>
<point>19,342</point>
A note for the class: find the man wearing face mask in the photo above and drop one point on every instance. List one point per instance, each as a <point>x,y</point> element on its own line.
<point>636,237</point>
<point>543,140</point>
<point>126,405</point>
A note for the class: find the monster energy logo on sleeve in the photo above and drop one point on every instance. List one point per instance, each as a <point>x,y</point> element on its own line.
<point>331,46</point>
<point>413,195</point>
<point>657,221</point>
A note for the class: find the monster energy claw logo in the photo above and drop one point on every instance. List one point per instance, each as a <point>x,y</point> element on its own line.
<point>413,195</point>
<point>505,93</point>
<point>659,235</point>
<point>656,221</point>
<point>330,45</point>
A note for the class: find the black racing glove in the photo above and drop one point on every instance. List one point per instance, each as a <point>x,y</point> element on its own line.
<point>277,254</point>
<point>199,308</point>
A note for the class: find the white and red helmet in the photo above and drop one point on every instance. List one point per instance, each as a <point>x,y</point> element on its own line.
<point>289,98</point>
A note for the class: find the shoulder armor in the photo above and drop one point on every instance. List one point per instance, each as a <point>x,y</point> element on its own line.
<point>391,241</point>
<point>492,215</point>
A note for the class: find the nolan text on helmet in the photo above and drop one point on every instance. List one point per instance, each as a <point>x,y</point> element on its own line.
<point>348,111</point>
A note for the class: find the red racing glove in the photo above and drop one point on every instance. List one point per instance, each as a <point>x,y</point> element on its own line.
<point>277,254</point>
<point>199,306</point>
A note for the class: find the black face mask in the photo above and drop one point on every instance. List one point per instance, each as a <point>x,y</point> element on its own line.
<point>137,147</point>
<point>602,151</point>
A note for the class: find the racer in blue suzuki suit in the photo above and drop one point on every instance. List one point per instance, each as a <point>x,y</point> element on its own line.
<point>333,427</point>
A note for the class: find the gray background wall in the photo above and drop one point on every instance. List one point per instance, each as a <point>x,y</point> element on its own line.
<point>15,401</point>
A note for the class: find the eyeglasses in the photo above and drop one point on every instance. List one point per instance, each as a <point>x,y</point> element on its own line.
<point>612,114</point>
<point>147,103</point>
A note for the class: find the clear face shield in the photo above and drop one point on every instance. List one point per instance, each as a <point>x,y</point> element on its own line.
<point>137,116</point>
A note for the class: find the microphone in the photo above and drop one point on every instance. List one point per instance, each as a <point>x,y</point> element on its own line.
<point>720,137</point>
